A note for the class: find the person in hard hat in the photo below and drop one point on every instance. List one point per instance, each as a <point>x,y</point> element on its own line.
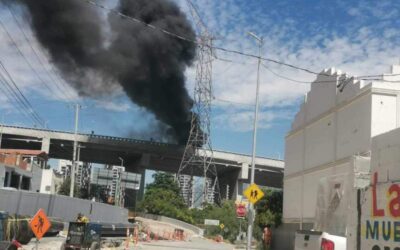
<point>267,237</point>
<point>82,219</point>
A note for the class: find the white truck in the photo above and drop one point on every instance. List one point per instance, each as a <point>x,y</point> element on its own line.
<point>360,210</point>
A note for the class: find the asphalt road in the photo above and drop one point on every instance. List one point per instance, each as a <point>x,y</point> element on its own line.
<point>193,244</point>
<point>54,243</point>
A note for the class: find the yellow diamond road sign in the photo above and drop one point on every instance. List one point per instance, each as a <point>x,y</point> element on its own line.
<point>222,226</point>
<point>253,193</point>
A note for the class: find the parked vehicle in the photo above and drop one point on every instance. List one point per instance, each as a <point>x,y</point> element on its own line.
<point>83,236</point>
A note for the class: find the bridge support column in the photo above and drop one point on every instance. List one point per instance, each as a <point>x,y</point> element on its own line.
<point>140,193</point>
<point>143,164</point>
<point>228,183</point>
<point>46,145</point>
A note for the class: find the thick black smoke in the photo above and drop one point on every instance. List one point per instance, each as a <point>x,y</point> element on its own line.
<point>96,54</point>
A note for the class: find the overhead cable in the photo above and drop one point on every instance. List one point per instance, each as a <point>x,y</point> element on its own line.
<point>183,38</point>
<point>19,95</point>
<point>52,78</point>
<point>24,57</point>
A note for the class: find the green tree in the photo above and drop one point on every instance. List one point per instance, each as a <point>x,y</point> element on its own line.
<point>165,181</point>
<point>162,198</point>
<point>269,209</point>
<point>65,188</point>
<point>226,214</point>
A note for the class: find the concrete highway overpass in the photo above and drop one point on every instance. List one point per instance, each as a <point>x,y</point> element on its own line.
<point>233,169</point>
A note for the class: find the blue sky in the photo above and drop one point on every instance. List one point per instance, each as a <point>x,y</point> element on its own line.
<point>359,37</point>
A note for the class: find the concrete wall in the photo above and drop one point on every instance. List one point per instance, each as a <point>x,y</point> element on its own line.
<point>178,223</point>
<point>36,178</point>
<point>295,199</point>
<point>63,207</point>
<point>2,175</point>
<point>385,157</point>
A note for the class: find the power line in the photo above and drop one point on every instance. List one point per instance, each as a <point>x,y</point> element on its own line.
<point>21,97</point>
<point>35,52</point>
<point>11,97</point>
<point>183,38</point>
<point>232,102</point>
<point>24,57</point>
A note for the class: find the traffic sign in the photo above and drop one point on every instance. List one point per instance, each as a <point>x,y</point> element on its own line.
<point>253,193</point>
<point>222,226</point>
<point>241,210</point>
<point>40,224</point>
<point>211,222</point>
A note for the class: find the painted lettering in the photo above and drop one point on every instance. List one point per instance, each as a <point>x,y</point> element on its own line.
<point>386,229</point>
<point>396,231</point>
<point>375,211</point>
<point>373,232</point>
<point>376,247</point>
<point>394,205</point>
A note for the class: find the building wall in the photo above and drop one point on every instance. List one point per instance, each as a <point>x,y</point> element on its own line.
<point>2,175</point>
<point>45,185</point>
<point>330,127</point>
<point>36,178</point>
<point>50,182</point>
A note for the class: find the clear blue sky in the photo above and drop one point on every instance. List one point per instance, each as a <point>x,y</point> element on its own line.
<point>359,37</point>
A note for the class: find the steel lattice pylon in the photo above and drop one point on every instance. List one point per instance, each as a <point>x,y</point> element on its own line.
<point>197,159</point>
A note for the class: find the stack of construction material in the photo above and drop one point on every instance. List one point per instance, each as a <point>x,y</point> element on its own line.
<point>17,227</point>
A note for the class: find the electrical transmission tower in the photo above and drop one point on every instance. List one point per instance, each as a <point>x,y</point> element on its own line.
<point>197,159</point>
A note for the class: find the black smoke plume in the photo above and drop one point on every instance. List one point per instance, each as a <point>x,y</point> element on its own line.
<point>98,54</point>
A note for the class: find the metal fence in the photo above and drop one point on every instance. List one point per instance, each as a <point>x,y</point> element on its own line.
<point>59,206</point>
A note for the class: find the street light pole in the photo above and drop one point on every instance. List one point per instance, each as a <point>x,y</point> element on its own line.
<point>122,161</point>
<point>252,212</point>
<point>71,189</point>
<point>1,130</point>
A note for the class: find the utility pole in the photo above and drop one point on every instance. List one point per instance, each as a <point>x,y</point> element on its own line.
<point>252,212</point>
<point>1,130</point>
<point>71,190</point>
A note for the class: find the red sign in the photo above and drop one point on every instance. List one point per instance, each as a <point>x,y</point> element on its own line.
<point>40,224</point>
<point>241,210</point>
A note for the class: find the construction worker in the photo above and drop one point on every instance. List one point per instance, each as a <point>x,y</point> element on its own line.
<point>81,218</point>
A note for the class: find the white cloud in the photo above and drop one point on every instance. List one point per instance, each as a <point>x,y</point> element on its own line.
<point>359,51</point>
<point>114,106</point>
<point>31,71</point>
<point>243,121</point>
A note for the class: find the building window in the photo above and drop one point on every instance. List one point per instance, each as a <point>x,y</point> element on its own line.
<point>6,177</point>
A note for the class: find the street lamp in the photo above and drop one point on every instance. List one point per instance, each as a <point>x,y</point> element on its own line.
<point>251,210</point>
<point>122,161</point>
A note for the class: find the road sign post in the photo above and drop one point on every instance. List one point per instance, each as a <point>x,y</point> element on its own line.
<point>253,193</point>
<point>39,224</point>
